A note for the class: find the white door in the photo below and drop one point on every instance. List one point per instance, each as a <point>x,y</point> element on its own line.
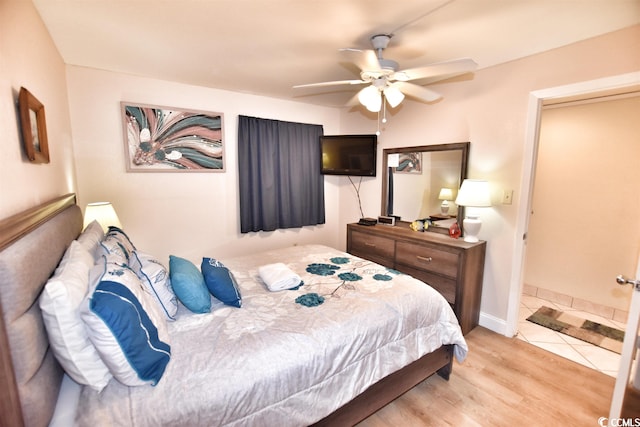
<point>629,348</point>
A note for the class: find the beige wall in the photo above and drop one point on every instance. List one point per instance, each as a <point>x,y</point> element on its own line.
<point>187,214</point>
<point>491,111</point>
<point>585,228</point>
<point>29,58</point>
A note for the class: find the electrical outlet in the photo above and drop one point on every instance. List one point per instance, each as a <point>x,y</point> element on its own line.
<point>507,197</point>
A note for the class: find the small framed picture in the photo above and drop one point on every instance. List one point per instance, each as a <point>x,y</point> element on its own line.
<point>34,127</point>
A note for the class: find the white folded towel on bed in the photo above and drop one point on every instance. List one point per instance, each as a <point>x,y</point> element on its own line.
<point>278,277</point>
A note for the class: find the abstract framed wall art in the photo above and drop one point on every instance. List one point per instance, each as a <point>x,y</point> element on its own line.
<point>166,139</point>
<point>34,127</point>
<point>410,163</point>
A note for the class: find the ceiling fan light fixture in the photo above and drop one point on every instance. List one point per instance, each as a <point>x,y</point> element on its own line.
<point>394,96</point>
<point>370,97</point>
<point>375,104</point>
<point>387,84</point>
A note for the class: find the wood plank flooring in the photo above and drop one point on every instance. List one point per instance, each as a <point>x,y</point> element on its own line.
<point>503,382</point>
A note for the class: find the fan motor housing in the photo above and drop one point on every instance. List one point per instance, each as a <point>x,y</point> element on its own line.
<point>380,41</point>
<point>388,64</point>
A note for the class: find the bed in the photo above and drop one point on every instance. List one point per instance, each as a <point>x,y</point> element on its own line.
<point>274,361</point>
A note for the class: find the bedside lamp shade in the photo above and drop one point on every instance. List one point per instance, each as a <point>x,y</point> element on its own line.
<point>474,194</point>
<point>102,212</point>
<point>445,195</point>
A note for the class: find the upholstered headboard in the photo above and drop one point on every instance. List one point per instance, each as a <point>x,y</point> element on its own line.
<point>31,245</point>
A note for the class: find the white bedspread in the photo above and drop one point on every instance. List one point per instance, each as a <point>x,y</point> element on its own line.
<point>276,362</point>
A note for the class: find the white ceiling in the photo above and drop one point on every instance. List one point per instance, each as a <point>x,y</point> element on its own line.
<point>265,47</point>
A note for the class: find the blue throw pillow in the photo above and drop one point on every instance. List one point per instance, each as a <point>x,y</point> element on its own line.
<point>188,285</point>
<point>125,326</point>
<point>221,282</point>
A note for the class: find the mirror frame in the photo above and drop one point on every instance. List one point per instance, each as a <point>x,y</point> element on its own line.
<point>462,146</point>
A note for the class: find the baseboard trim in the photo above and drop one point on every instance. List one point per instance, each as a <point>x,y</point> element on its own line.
<point>494,324</point>
<point>602,310</point>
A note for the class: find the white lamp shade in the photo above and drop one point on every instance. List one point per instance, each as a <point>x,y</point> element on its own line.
<point>394,96</point>
<point>474,193</point>
<point>104,213</point>
<point>445,194</point>
<point>371,98</point>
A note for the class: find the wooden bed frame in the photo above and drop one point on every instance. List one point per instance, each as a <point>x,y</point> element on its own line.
<point>17,410</point>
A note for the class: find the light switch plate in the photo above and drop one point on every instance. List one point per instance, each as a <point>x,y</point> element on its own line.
<point>507,197</point>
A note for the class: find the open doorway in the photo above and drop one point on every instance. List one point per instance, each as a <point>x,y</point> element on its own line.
<point>583,229</point>
<point>627,82</point>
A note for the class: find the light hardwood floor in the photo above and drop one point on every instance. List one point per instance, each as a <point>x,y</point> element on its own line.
<point>503,382</point>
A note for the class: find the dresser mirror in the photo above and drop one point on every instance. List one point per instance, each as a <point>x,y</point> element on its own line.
<point>414,179</point>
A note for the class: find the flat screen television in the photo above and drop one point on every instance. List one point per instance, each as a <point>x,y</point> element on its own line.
<point>348,154</point>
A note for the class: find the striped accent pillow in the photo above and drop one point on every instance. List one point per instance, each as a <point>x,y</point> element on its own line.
<point>126,326</point>
<point>155,278</point>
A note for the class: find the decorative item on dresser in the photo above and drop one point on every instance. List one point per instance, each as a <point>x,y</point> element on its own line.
<point>452,267</point>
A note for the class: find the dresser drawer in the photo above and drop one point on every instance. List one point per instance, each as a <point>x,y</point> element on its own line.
<point>447,287</point>
<point>375,248</point>
<point>427,258</point>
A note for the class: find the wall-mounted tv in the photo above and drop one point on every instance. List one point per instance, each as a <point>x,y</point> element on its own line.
<point>349,154</point>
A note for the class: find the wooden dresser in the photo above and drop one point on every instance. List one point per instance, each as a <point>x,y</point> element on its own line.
<point>451,266</point>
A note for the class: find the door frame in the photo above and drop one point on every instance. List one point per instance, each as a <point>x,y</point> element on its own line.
<point>530,154</point>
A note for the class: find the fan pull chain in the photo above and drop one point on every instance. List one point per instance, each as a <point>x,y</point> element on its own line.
<point>384,114</point>
<point>384,109</point>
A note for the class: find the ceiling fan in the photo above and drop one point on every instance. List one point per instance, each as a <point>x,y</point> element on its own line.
<point>385,82</point>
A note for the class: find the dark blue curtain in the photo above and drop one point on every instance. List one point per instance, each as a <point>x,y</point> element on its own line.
<point>279,173</point>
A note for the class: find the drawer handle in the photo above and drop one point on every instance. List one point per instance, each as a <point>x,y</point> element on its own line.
<point>426,259</point>
<point>370,244</point>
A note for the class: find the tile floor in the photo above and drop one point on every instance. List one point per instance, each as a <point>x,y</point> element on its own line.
<point>563,345</point>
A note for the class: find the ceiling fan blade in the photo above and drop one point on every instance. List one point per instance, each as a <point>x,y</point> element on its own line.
<point>415,91</point>
<point>366,60</point>
<point>445,69</point>
<point>334,83</point>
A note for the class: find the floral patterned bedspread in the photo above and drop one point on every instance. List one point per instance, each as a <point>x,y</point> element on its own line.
<point>289,357</point>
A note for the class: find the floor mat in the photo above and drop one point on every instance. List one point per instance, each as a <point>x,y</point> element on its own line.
<point>582,329</point>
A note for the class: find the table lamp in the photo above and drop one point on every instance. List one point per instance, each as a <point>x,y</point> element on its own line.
<point>104,213</point>
<point>445,195</point>
<point>473,193</point>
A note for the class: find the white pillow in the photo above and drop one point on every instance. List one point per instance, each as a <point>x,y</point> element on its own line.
<point>125,325</point>
<point>155,278</point>
<point>91,237</point>
<point>59,302</point>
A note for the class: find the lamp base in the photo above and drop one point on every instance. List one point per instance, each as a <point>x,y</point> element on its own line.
<point>444,208</point>
<point>471,226</point>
